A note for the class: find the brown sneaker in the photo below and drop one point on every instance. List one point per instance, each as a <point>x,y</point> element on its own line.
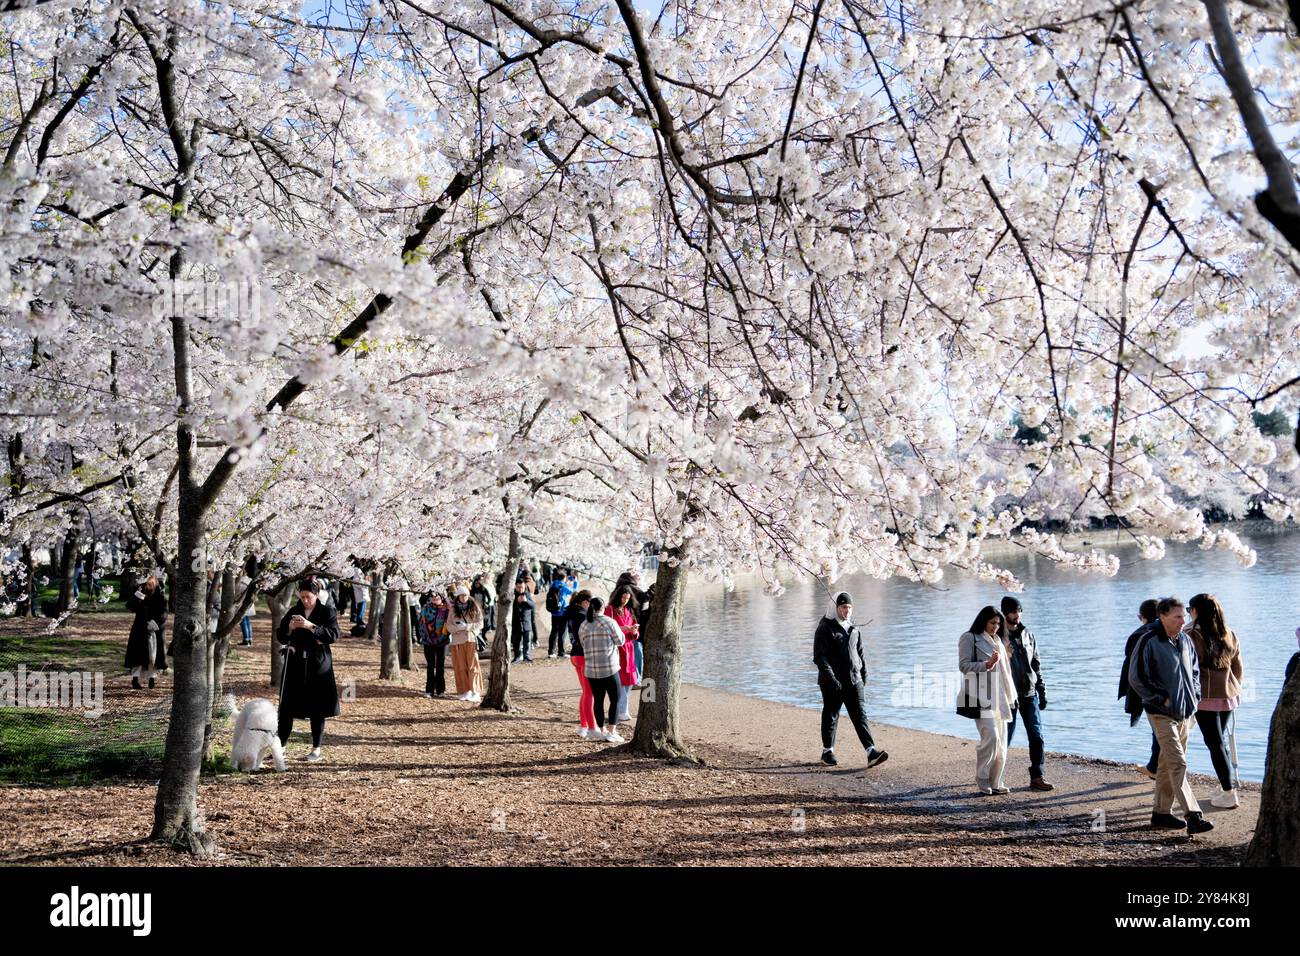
<point>1038,783</point>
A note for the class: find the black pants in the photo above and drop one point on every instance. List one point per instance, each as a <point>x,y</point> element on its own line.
<point>317,730</point>
<point>435,658</point>
<point>521,640</point>
<point>557,635</point>
<point>1214,728</point>
<point>850,696</point>
<point>345,598</point>
<point>602,687</point>
<point>1154,763</point>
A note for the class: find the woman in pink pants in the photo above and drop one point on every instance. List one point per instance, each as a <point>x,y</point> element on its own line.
<point>574,615</point>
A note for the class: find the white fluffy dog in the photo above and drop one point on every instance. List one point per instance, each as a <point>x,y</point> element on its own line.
<point>255,734</point>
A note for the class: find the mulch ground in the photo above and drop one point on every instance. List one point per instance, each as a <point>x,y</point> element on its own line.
<point>412,781</point>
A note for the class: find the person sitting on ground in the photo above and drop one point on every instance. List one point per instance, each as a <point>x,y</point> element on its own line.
<point>842,678</point>
<point>1166,674</point>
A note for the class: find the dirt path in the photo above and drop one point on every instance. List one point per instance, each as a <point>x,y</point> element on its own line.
<point>409,780</point>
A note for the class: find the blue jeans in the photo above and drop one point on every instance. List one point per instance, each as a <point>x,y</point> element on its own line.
<point>359,612</point>
<point>1027,708</point>
<point>246,625</point>
<point>639,659</point>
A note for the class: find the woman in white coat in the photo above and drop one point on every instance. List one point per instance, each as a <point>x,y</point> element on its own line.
<point>988,695</point>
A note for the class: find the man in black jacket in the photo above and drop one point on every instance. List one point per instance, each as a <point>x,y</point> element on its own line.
<point>522,624</point>
<point>1132,702</point>
<point>842,677</point>
<point>1031,695</point>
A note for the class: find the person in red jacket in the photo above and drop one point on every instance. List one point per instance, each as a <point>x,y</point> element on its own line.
<point>621,609</point>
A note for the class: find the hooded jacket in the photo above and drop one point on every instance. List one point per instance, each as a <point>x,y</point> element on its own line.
<point>1026,670</point>
<point>838,653</point>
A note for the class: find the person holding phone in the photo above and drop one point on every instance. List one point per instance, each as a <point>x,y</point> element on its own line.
<point>307,686</point>
<point>988,695</point>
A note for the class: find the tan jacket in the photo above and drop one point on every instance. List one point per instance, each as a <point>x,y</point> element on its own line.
<point>1222,683</point>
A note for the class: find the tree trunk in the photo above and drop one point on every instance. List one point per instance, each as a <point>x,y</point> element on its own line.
<point>67,567</point>
<point>220,648</point>
<point>404,634</point>
<point>498,689</point>
<point>1277,831</point>
<point>658,719</point>
<point>389,663</point>
<point>374,609</point>
<point>31,607</point>
<point>279,603</point>
<point>176,810</point>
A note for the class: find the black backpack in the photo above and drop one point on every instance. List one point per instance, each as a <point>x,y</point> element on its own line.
<point>553,598</point>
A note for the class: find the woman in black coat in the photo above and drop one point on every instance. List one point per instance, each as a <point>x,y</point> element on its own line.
<point>146,653</point>
<point>307,686</point>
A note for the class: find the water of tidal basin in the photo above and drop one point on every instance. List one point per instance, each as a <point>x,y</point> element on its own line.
<point>749,642</point>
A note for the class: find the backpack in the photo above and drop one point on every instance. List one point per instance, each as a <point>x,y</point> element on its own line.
<point>553,598</point>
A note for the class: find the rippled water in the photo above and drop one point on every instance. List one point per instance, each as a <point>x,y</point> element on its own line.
<point>751,643</point>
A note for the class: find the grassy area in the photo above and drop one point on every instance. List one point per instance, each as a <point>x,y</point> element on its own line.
<point>58,747</point>
<point>86,602</point>
<point>58,652</point>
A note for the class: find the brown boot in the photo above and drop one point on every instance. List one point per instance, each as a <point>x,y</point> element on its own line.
<point>1038,783</point>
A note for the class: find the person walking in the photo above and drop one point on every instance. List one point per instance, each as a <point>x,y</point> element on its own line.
<point>574,617</point>
<point>433,637</point>
<point>522,623</point>
<point>1132,702</point>
<point>1165,673</point>
<point>601,638</point>
<point>146,653</point>
<point>1219,653</point>
<point>246,622</point>
<point>988,695</point>
<point>842,678</point>
<point>308,688</point>
<point>1031,694</point>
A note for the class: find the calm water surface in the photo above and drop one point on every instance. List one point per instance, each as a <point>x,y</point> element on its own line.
<point>751,643</point>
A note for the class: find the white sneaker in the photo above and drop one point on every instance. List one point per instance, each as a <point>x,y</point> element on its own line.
<point>314,757</point>
<point>1225,800</point>
<point>582,732</point>
<point>475,698</point>
<point>613,737</point>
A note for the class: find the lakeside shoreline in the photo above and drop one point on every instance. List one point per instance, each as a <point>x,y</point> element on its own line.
<point>408,780</point>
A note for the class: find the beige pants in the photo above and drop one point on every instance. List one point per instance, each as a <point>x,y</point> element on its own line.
<point>991,753</point>
<point>1171,772</point>
<point>464,662</point>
